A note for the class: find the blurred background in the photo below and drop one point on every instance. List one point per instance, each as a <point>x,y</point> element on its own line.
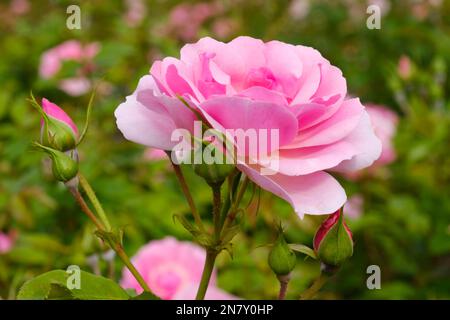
<point>399,211</point>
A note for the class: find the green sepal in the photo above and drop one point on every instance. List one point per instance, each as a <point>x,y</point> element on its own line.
<point>282,259</point>
<point>336,246</point>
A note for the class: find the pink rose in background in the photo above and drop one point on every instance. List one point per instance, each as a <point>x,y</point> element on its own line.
<point>19,7</point>
<point>71,50</point>
<point>136,11</point>
<point>353,208</point>
<point>249,84</point>
<point>186,19</point>
<point>299,9</point>
<point>404,67</point>
<point>7,241</point>
<point>384,122</point>
<point>224,27</point>
<point>172,269</point>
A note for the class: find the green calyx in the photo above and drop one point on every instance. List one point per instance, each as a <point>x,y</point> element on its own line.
<point>58,135</point>
<point>213,167</point>
<point>337,245</point>
<point>64,167</point>
<point>282,259</point>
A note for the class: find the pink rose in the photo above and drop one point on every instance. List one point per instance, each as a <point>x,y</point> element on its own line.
<point>354,206</point>
<point>136,11</point>
<point>71,50</point>
<point>186,19</point>
<point>6,241</point>
<point>248,84</point>
<point>404,68</point>
<point>172,269</point>
<point>384,122</point>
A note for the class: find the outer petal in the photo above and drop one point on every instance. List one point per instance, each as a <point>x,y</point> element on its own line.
<point>303,161</point>
<point>316,193</point>
<point>367,144</point>
<point>331,130</point>
<point>52,110</point>
<point>151,124</point>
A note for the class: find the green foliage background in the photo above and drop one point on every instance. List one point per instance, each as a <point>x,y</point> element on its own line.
<point>405,225</point>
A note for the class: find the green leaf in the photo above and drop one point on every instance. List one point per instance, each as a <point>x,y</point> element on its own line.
<point>192,229</point>
<point>303,249</point>
<point>230,233</point>
<point>53,285</point>
<point>145,296</point>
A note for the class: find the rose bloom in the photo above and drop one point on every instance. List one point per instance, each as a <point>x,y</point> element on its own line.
<point>353,208</point>
<point>173,270</point>
<point>7,241</point>
<point>249,84</point>
<point>384,122</point>
<point>71,50</point>
<point>404,68</point>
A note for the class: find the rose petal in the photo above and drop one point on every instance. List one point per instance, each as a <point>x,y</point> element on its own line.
<point>315,193</point>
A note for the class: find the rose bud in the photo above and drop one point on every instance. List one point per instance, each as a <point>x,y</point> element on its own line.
<point>214,169</point>
<point>64,165</point>
<point>58,130</point>
<point>282,259</point>
<point>333,242</point>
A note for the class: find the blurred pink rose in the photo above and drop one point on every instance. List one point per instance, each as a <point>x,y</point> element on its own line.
<point>353,208</point>
<point>71,50</point>
<point>136,11</point>
<point>19,7</point>
<point>6,241</point>
<point>75,86</point>
<point>171,268</point>
<point>186,19</point>
<point>384,122</point>
<point>299,9</point>
<point>249,84</point>
<point>404,67</point>
<point>224,27</point>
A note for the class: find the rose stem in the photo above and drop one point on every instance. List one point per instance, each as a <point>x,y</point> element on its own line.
<point>115,246</point>
<point>211,254</point>
<point>315,287</point>
<point>187,194</point>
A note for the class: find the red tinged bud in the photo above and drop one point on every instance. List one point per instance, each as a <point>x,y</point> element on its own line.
<point>333,241</point>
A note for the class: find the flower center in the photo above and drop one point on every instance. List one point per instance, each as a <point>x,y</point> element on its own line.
<point>261,77</point>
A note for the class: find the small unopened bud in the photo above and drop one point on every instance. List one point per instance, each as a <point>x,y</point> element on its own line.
<point>58,130</point>
<point>64,166</point>
<point>214,170</point>
<point>282,259</point>
<point>333,241</point>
